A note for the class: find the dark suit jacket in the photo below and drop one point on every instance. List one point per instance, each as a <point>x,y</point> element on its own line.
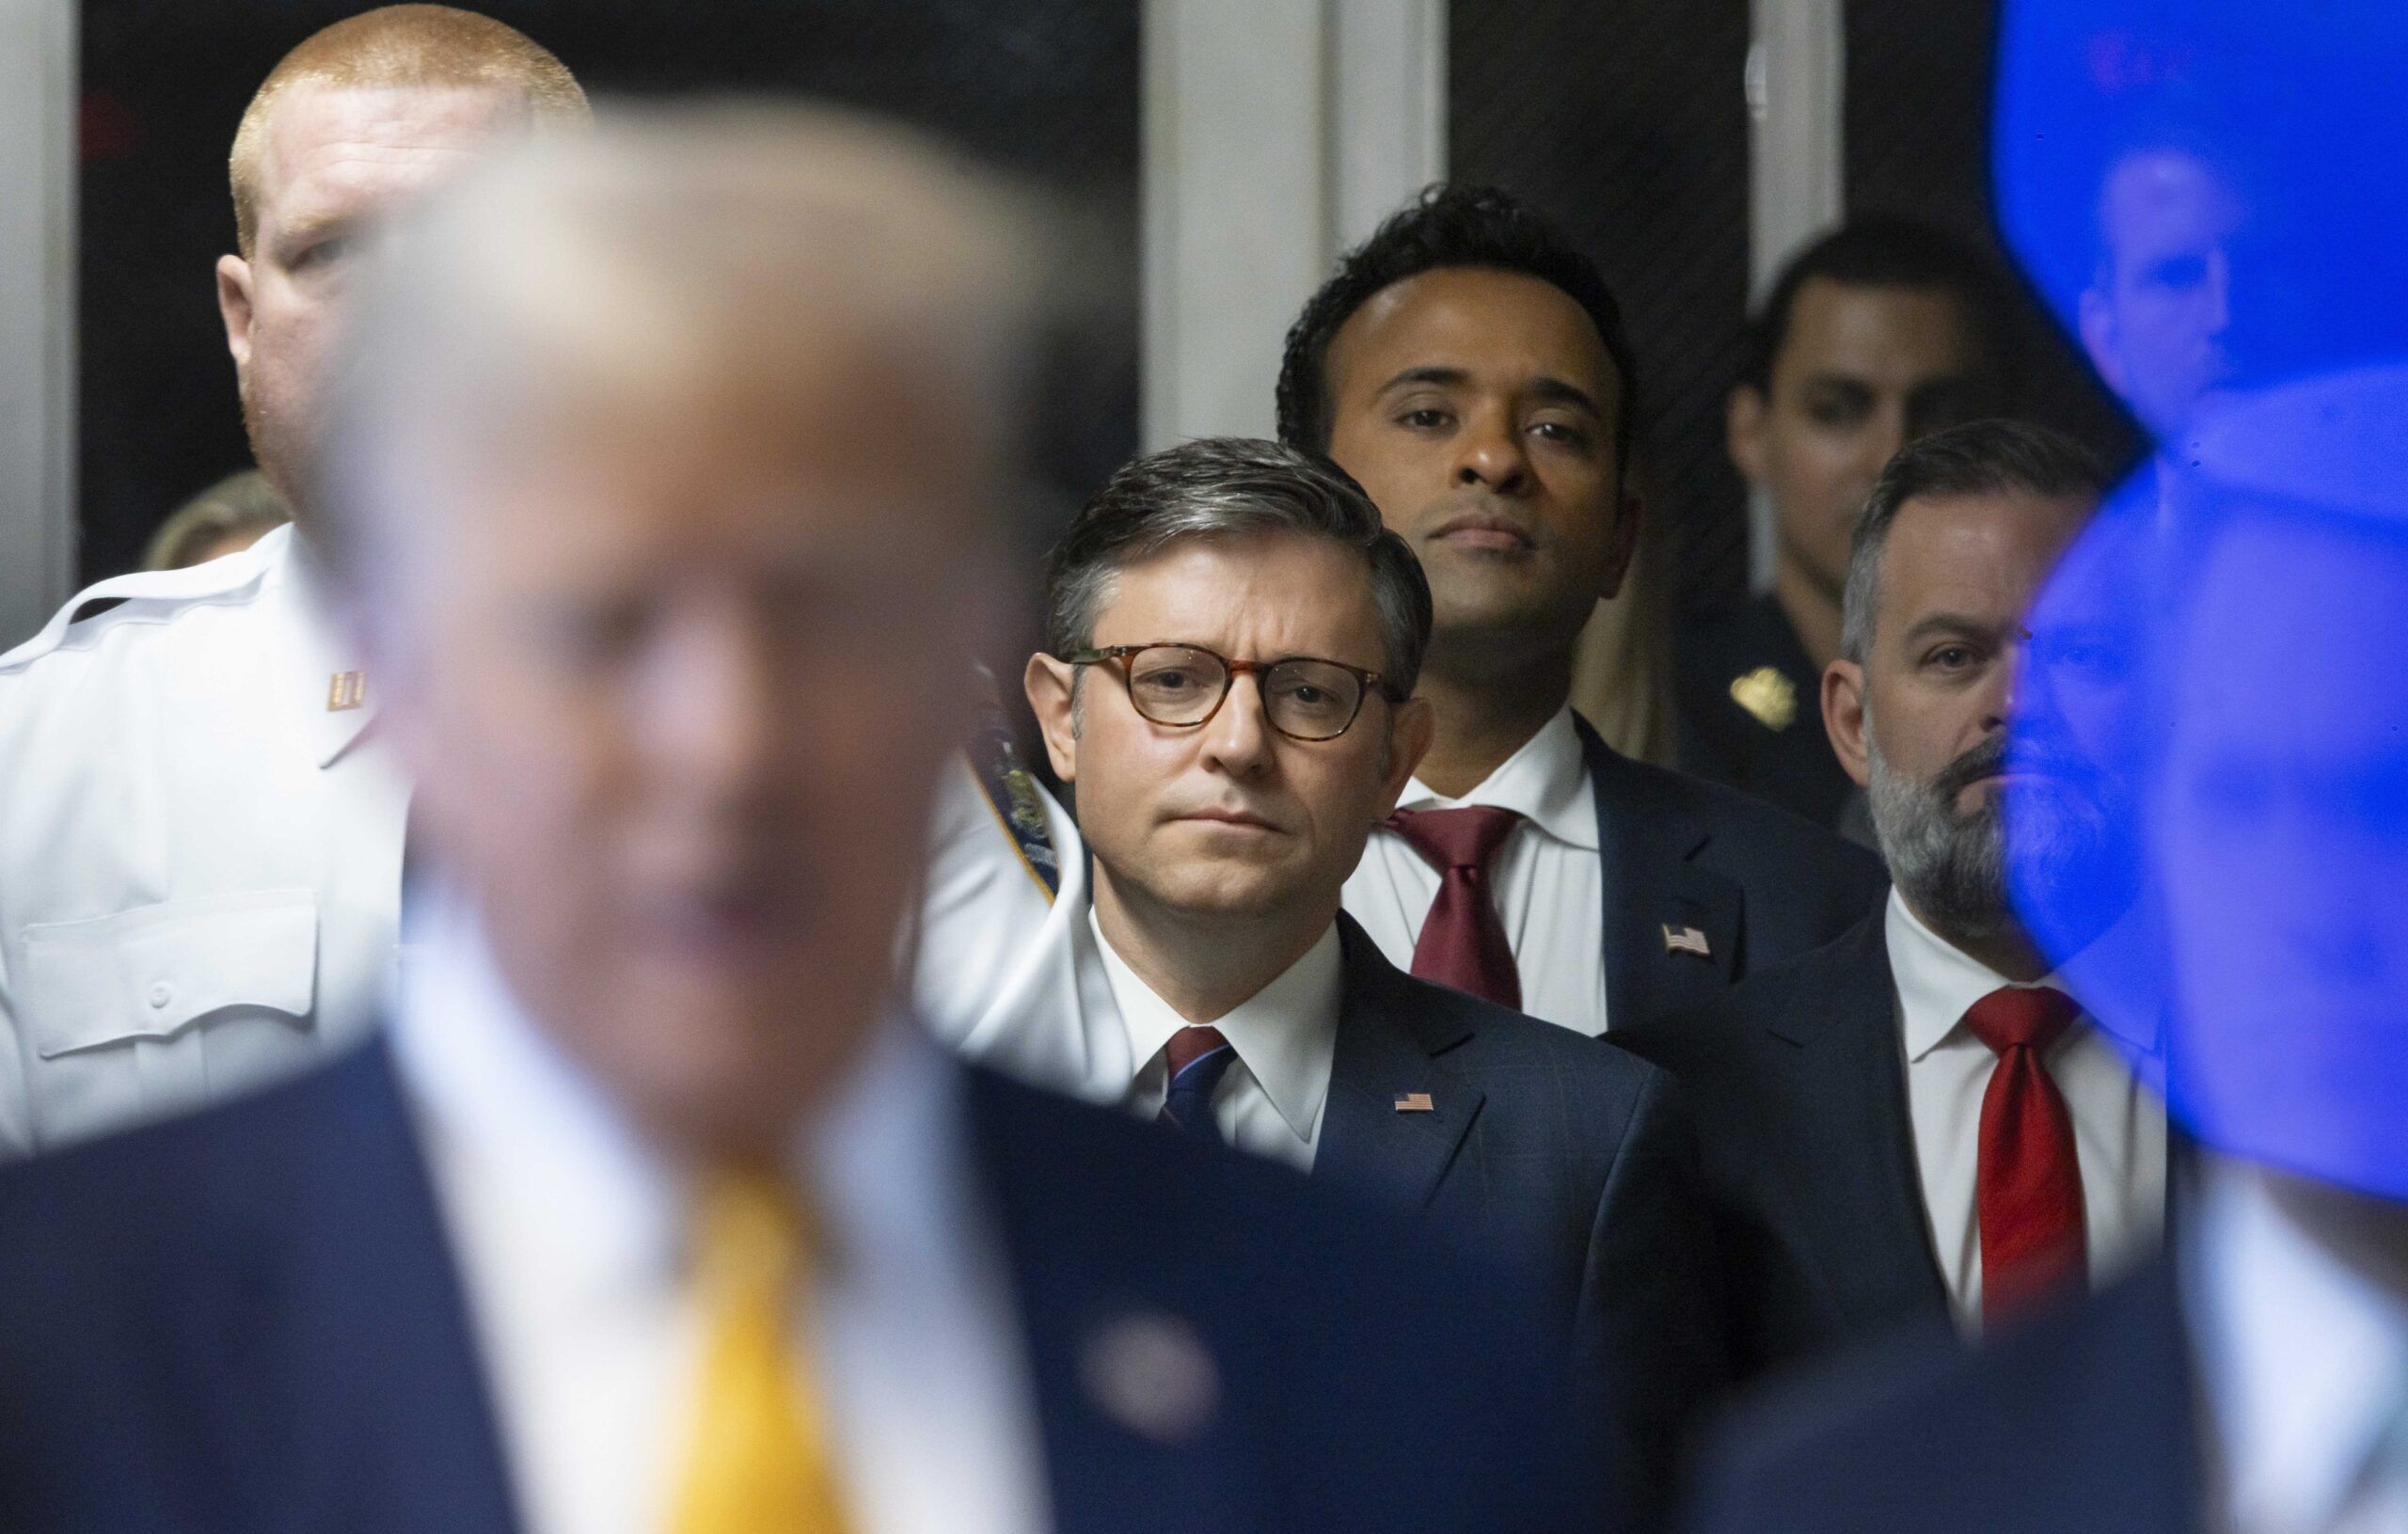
<point>1760,884</point>
<point>1558,1151</point>
<point>1799,1095</point>
<point>248,1320</point>
<point>2081,1422</point>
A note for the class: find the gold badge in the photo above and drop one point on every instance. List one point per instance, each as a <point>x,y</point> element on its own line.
<point>346,691</point>
<point>1771,697</point>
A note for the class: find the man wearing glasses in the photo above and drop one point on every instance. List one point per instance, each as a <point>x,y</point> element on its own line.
<point>1232,641</point>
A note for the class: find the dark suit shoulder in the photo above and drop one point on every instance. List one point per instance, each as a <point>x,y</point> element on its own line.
<point>2079,1419</point>
<point>1747,821</point>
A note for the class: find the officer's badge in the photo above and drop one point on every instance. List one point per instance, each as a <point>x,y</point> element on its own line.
<point>1011,791</point>
<point>1768,695</point>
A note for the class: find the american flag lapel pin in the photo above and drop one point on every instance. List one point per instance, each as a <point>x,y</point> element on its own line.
<point>1415,1103</point>
<point>1685,940</point>
<point>346,691</point>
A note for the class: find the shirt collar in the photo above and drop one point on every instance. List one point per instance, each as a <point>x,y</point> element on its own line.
<point>1285,1034</point>
<point>1546,782</point>
<point>1938,982</point>
<point>2304,1362</point>
<point>885,1165</point>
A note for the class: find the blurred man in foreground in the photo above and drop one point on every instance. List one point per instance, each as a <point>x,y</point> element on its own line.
<point>1232,641</point>
<point>653,1212</point>
<point>2258,1382</point>
<point>1918,1121</point>
<point>200,845</point>
<point>1468,368</point>
<point>1872,337</point>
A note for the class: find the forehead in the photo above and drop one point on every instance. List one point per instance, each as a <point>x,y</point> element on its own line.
<point>335,149</point>
<point>2160,200</point>
<point>1884,334</point>
<point>1980,556</point>
<point>1495,326</point>
<point>1257,596</point>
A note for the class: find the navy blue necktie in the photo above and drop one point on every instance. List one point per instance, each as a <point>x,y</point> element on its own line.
<point>1198,1058</point>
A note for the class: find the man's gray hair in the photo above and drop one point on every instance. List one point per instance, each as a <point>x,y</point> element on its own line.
<point>1227,487</point>
<point>668,246</point>
<point>1978,458</point>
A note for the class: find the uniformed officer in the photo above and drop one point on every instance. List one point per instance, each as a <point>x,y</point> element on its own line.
<point>201,840</point>
<point>1871,338</point>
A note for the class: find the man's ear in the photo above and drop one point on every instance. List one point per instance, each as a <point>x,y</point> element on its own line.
<point>1411,728</point>
<point>234,306</point>
<point>1051,687</point>
<point>2096,320</point>
<point>1843,717</point>
<point>1743,420</point>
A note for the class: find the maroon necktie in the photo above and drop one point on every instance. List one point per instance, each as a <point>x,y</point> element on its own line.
<point>1462,941</point>
<point>2028,1190</point>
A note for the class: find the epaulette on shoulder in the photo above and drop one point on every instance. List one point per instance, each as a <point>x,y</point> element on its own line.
<point>149,593</point>
<point>1011,791</point>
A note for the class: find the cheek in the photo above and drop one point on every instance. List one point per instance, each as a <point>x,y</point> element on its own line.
<point>1396,470</point>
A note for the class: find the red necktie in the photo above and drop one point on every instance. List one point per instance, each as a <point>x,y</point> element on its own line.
<point>2028,1190</point>
<point>1462,941</point>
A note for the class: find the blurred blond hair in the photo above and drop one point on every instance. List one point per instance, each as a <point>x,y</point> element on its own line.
<point>233,514</point>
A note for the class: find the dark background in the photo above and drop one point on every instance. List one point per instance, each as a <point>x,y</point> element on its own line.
<point>1045,88</point>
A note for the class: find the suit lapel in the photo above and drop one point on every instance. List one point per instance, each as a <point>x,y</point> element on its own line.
<point>1869,1235</point>
<point>1654,886</point>
<point>1386,1049</point>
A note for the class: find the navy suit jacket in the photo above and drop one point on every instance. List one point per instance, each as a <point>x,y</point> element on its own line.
<point>1759,884</point>
<point>1800,1100</point>
<point>248,1320</point>
<point>1552,1149</point>
<point>2081,1422</point>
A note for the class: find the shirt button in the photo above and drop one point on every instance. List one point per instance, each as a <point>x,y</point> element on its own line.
<point>162,993</point>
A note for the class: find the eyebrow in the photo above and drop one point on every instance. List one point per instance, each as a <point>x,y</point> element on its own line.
<point>1545,387</point>
<point>311,227</point>
<point>1952,622</point>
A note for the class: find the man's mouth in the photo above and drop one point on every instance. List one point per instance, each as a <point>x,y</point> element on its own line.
<point>1236,819</point>
<point>1485,530</point>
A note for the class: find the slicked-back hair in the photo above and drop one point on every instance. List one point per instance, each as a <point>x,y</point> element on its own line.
<point>1447,225</point>
<point>1887,253</point>
<point>1978,458</point>
<point>1227,488</point>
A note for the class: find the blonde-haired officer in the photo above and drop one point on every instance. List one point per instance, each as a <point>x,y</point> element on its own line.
<point>200,844</point>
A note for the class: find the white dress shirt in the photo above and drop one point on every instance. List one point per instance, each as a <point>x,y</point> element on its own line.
<point>1547,884</point>
<point>201,847</point>
<point>1285,1036</point>
<point>567,1230</point>
<point>2118,1126</point>
<point>2306,1370</point>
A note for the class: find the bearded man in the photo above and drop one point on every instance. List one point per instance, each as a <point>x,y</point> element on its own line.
<point>1919,1120</point>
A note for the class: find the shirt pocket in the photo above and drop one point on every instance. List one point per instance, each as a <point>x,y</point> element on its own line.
<point>153,970</point>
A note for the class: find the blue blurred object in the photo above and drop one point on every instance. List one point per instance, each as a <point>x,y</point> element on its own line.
<point>2209,194</point>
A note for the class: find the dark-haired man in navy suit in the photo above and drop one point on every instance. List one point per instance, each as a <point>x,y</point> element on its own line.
<point>1232,643</point>
<point>652,1211</point>
<point>1468,366</point>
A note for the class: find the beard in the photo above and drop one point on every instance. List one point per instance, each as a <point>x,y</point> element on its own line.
<point>1954,866</point>
<point>278,445</point>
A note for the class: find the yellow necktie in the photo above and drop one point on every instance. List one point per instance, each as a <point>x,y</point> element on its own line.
<point>757,1464</point>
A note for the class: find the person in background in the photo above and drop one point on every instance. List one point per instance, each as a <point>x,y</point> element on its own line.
<point>227,518</point>
<point>201,847</point>
<point>1919,1121</point>
<point>1872,337</point>
<point>653,1210</point>
<point>1232,643</point>
<point>1468,368</point>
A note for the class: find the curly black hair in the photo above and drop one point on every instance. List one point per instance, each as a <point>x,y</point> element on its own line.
<point>1447,225</point>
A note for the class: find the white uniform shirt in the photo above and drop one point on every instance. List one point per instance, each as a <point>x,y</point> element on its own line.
<point>1547,882</point>
<point>1285,1036</point>
<point>568,1233</point>
<point>200,858</point>
<point>987,919</point>
<point>2305,1365</point>
<point>2118,1126</point>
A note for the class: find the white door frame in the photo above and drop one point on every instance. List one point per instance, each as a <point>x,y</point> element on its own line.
<point>38,97</point>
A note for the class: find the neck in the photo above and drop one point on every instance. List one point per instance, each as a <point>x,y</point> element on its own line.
<point>1813,610</point>
<point>2365,1232</point>
<point>2009,951</point>
<point>1480,720</point>
<point>1203,967</point>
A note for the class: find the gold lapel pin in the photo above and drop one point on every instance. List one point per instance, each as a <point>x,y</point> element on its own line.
<point>346,691</point>
<point>1415,1103</point>
<point>1686,940</point>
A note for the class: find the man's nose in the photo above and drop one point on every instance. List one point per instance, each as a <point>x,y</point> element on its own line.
<point>1236,739</point>
<point>710,711</point>
<point>1491,455</point>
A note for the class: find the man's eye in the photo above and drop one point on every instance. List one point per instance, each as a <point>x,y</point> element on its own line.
<point>1425,419</point>
<point>1952,656</point>
<point>326,252</point>
<point>1829,411</point>
<point>1560,432</point>
<point>1166,681</point>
